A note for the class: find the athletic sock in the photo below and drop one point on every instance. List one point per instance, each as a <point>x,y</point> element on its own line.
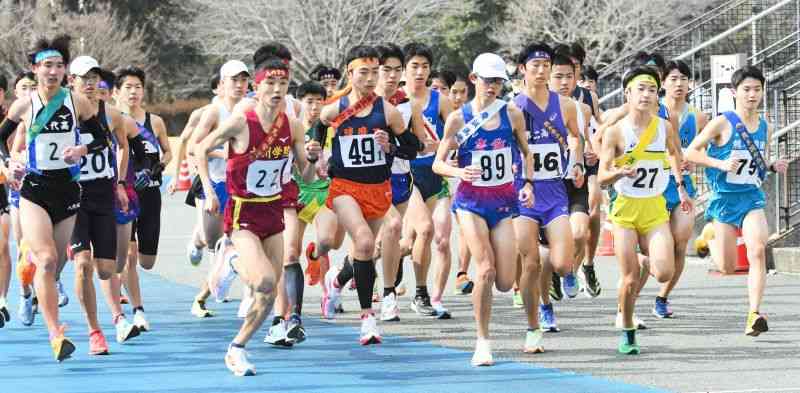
<point>346,274</point>
<point>293,279</point>
<point>661,299</point>
<point>276,320</point>
<point>399,277</point>
<point>388,291</point>
<point>235,345</point>
<point>140,308</point>
<point>422,291</point>
<point>364,273</point>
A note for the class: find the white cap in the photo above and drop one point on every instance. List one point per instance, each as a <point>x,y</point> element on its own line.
<point>233,68</point>
<point>489,65</point>
<point>82,65</point>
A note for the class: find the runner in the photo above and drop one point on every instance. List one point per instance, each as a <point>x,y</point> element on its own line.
<point>254,211</point>
<point>734,157</point>
<point>589,78</point>
<point>486,198</point>
<point>442,81</point>
<point>635,155</point>
<point>690,120</point>
<point>50,194</point>
<point>5,258</point>
<point>360,191</point>
<point>146,228</point>
<point>327,76</point>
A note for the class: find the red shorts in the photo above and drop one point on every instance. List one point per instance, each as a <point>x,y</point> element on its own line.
<point>289,195</point>
<point>261,216</point>
<point>373,199</point>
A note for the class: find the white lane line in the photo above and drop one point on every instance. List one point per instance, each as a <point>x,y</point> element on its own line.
<point>797,389</point>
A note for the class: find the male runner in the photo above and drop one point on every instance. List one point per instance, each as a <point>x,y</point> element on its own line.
<point>327,76</point>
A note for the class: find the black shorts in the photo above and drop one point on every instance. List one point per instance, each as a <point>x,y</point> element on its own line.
<point>194,191</point>
<point>578,197</point>
<point>147,227</point>
<point>428,183</point>
<point>591,170</point>
<point>4,206</point>
<point>58,197</point>
<point>96,232</point>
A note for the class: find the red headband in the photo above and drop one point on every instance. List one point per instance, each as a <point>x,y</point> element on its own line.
<point>271,72</point>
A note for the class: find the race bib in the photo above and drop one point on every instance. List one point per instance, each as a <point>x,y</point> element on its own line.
<point>95,165</point>
<point>50,150</point>
<point>149,147</point>
<point>546,161</point>
<point>495,167</point>
<point>746,169</point>
<point>264,177</point>
<point>651,179</point>
<point>361,151</point>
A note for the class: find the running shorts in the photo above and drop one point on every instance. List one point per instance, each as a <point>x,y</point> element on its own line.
<point>60,199</point>
<point>312,197</point>
<point>428,183</point>
<point>640,214</point>
<point>550,201</point>
<point>147,226</point>
<point>732,207</point>
<point>261,216</point>
<point>402,186</point>
<point>373,199</point>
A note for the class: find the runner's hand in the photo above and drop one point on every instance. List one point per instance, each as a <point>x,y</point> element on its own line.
<point>313,150</point>
<point>211,203</point>
<point>72,154</point>
<point>781,166</point>
<point>687,204</point>
<point>687,166</point>
<point>431,146</point>
<point>470,173</point>
<point>382,138</point>
<point>730,165</point>
<point>122,197</point>
<point>173,186</point>
<point>627,171</point>
<point>526,196</point>
<point>15,171</point>
<point>577,176</point>
<point>590,157</point>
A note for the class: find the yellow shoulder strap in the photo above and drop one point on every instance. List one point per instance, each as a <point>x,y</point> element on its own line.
<point>638,151</point>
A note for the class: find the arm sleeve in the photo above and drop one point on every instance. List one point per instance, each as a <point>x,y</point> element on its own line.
<point>99,139</point>
<point>7,129</point>
<point>136,144</point>
<point>320,132</point>
<point>408,146</point>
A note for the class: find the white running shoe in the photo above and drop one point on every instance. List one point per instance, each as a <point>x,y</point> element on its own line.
<point>140,321</point>
<point>369,330</point>
<point>199,309</point>
<point>390,312</point>
<point>194,254</point>
<point>276,335</point>
<point>441,311</point>
<point>533,341</point>
<point>334,294</point>
<point>247,301</point>
<point>236,360</point>
<point>63,299</point>
<point>222,274</point>
<point>125,330</point>
<point>483,353</point>
<point>637,322</point>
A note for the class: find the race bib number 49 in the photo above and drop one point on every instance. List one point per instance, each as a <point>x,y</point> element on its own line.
<point>360,151</point>
<point>495,167</point>
<point>264,177</point>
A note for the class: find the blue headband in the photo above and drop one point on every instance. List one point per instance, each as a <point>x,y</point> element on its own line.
<point>537,55</point>
<point>46,54</point>
<point>650,62</point>
<point>103,85</point>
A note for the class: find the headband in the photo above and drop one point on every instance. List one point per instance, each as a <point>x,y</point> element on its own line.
<point>328,76</point>
<point>363,61</point>
<point>46,54</point>
<point>642,78</point>
<point>537,55</point>
<point>103,85</point>
<point>270,73</point>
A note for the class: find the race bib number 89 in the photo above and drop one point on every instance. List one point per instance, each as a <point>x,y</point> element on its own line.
<point>264,177</point>
<point>495,167</point>
<point>359,151</point>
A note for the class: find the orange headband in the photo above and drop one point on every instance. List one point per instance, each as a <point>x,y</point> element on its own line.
<point>360,62</point>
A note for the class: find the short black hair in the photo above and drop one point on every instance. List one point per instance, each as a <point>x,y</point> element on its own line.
<point>417,49</point>
<point>59,43</point>
<point>533,47</point>
<point>269,50</point>
<point>107,76</point>
<point>448,77</point>
<point>272,63</point>
<point>213,83</point>
<point>578,52</point>
<point>388,51</point>
<point>589,73</point>
<point>561,59</point>
<point>3,82</point>
<point>679,65</point>
<point>24,75</point>
<point>650,59</point>
<point>125,72</point>
<point>362,52</point>
<point>747,72</point>
<point>461,78</point>
<point>311,87</point>
<point>323,69</point>
<point>641,70</point>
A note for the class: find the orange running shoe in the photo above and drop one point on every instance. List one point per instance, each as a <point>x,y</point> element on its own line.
<point>62,346</point>
<point>312,270</point>
<point>26,269</point>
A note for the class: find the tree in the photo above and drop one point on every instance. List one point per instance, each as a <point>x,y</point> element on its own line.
<point>314,31</point>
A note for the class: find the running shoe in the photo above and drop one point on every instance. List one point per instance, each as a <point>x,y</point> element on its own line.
<point>589,286</point>
<point>369,330</point>
<point>276,335</point>
<point>63,299</point>
<point>331,300</point>
<point>441,311</point>
<point>756,324</point>
<point>25,312</point>
<point>97,343</point>
<point>222,274</point>
<point>464,285</point>
<point>295,330</point>
<point>555,288</point>
<point>4,315</point>
<point>400,290</point>
<point>62,347</point>
<point>483,353</point>
<point>628,344</point>
<point>247,301</point>
<point>194,254</point>
<point>125,330</point>
<point>313,268</point>
<point>199,309</point>
<point>533,341</point>
<point>547,318</point>
<point>570,285</point>
<point>390,312</point>
<point>123,299</point>
<point>35,304</point>
<point>236,361</point>
<point>26,269</point>
<point>422,306</point>
<point>517,298</point>
<point>661,309</point>
<point>638,323</point>
<point>140,321</point>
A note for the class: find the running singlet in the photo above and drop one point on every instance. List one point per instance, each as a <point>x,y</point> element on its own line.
<point>399,165</point>
<point>745,177</point>
<point>549,159</point>
<point>258,172</point>
<point>216,165</point>
<point>652,171</point>
<point>584,95</point>
<point>98,164</point>
<point>46,150</point>
<point>434,127</point>
<point>355,155</point>
<point>151,146</point>
<point>581,128</point>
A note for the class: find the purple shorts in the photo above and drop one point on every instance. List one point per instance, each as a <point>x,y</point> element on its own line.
<point>550,201</point>
<point>493,204</point>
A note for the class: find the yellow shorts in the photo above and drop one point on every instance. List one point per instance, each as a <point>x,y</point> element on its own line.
<point>640,214</point>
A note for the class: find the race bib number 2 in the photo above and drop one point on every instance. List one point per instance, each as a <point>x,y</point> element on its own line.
<point>495,167</point>
<point>264,177</point>
<point>50,150</point>
<point>359,151</point>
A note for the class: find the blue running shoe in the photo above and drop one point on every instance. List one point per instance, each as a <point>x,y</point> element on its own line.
<point>25,311</point>
<point>570,285</point>
<point>547,318</point>
<point>63,299</point>
<point>661,309</point>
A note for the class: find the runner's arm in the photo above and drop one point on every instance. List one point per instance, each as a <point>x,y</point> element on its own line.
<point>675,153</point>
<point>184,138</point>
<point>229,130</point>
<point>451,126</point>
<point>408,141</point>
<point>305,167</point>
<point>574,140</point>
<point>696,152</point>
<point>521,135</point>
<point>121,132</point>
<point>160,129</point>
<point>9,125</point>
<point>607,173</point>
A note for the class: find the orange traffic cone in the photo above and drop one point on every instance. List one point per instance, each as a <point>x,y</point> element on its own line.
<point>742,263</point>
<point>184,180</point>
<point>606,246</point>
